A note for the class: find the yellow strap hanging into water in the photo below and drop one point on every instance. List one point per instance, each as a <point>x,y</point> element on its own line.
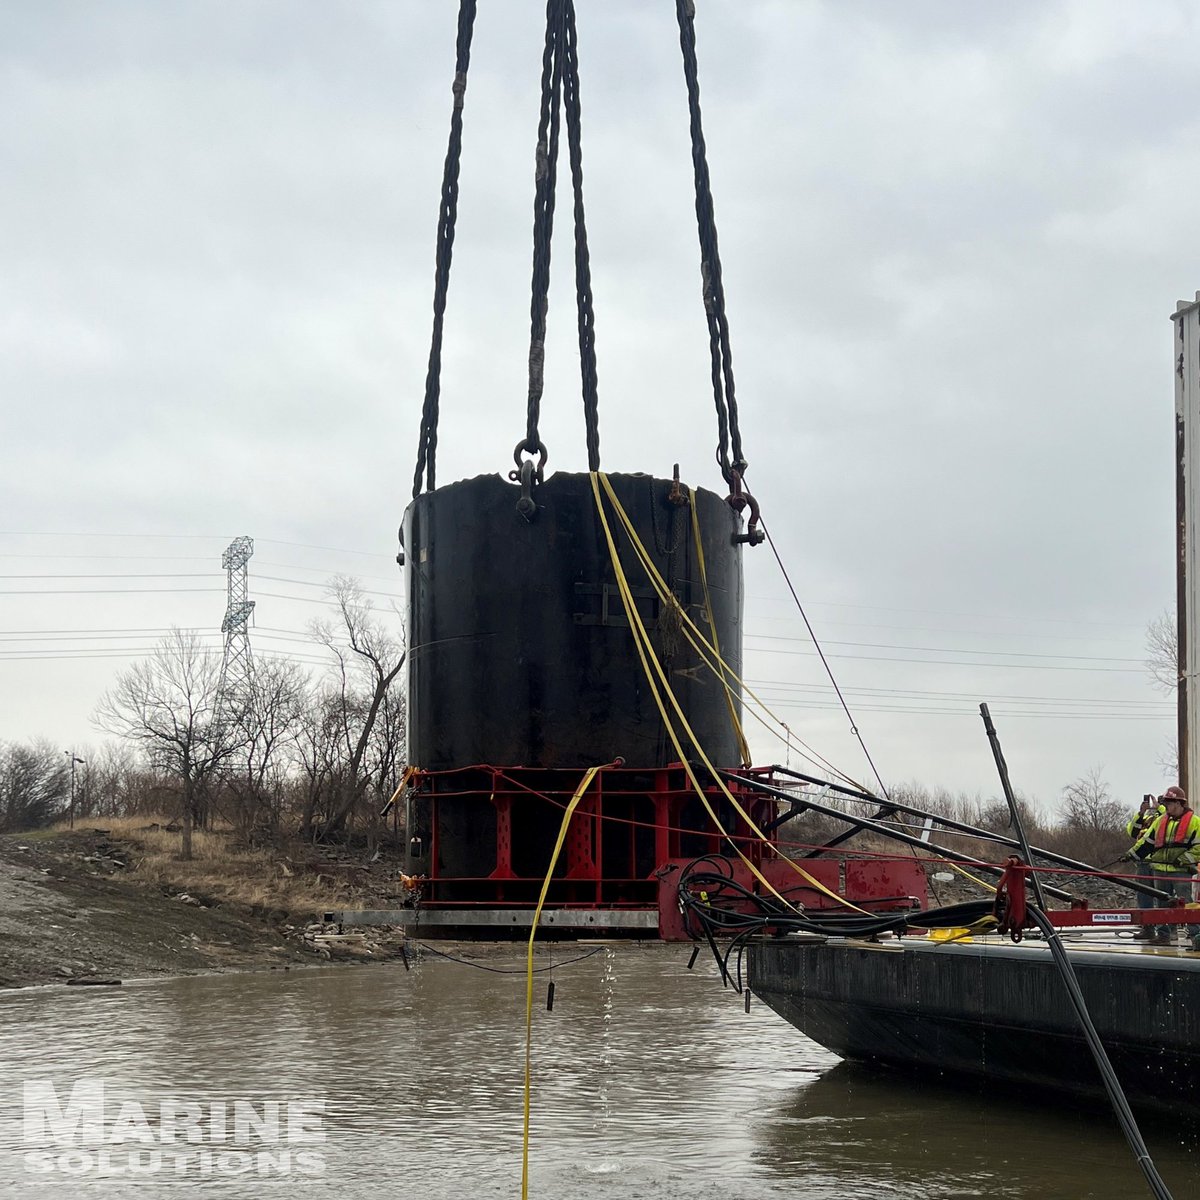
<point>537,913</point>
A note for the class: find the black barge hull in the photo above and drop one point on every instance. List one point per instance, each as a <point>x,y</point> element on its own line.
<point>992,1011</point>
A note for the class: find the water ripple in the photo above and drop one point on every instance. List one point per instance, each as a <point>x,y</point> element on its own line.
<point>649,1080</point>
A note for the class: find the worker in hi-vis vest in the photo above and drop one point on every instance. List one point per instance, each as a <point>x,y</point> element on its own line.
<point>1170,845</point>
<point>1141,820</point>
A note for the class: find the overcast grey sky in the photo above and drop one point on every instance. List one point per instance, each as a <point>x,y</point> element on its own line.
<point>952,236</point>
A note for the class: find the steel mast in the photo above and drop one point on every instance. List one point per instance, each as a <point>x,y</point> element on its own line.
<point>1187,527</point>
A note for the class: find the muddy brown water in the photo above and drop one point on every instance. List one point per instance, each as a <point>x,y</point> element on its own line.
<point>650,1081</point>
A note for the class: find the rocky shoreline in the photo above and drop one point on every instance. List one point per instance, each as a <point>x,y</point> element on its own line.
<point>70,911</point>
<point>74,909</point>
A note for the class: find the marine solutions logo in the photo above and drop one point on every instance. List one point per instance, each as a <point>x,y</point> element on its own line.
<point>93,1132</point>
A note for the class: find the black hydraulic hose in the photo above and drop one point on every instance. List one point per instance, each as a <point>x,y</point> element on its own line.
<point>971,831</point>
<point>1112,1085</point>
<point>701,894</point>
<point>882,830</point>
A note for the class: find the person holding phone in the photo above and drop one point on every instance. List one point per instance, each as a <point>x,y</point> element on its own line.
<point>1148,812</point>
<point>1171,846</point>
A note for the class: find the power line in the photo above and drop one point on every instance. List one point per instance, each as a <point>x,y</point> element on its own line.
<point>208,537</point>
<point>123,557</point>
<point>942,629</point>
<point>968,711</point>
<point>951,649</point>
<point>148,575</point>
<point>140,629</point>
<point>770,684</point>
<point>395,595</point>
<point>932,612</point>
<point>103,591</point>
<point>991,617</point>
<point>181,558</point>
<point>947,662</point>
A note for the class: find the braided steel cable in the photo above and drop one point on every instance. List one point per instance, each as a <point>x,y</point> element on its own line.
<point>560,93</point>
<point>545,170</point>
<point>583,273</point>
<point>424,474</point>
<point>729,437</point>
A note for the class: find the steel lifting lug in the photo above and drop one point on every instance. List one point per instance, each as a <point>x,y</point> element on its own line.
<point>529,447</point>
<point>527,475</point>
<point>739,499</point>
<point>526,505</point>
<point>678,494</point>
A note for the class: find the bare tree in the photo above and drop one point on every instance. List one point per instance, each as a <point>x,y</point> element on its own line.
<point>995,815</point>
<point>388,749</point>
<point>1166,671</point>
<point>252,776</point>
<point>34,785</point>
<point>1088,804</point>
<point>1093,823</point>
<point>316,751</point>
<point>367,658</point>
<point>1162,652</point>
<point>167,704</point>
<point>116,782</point>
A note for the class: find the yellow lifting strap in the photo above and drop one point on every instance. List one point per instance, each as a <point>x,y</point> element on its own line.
<point>709,654</point>
<point>591,774</point>
<point>660,686</point>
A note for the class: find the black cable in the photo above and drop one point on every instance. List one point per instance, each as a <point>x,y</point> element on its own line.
<point>447,216</point>
<point>706,898</point>
<point>724,396</point>
<point>825,662</point>
<point>583,274</point>
<point>466,962</point>
<point>1112,1085</point>
<point>545,171</point>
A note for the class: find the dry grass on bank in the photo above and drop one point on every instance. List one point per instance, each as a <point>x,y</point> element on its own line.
<point>222,869</point>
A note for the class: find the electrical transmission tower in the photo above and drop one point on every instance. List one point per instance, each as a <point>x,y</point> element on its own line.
<point>237,667</point>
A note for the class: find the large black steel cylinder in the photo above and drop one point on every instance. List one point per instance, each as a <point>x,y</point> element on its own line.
<point>520,653</point>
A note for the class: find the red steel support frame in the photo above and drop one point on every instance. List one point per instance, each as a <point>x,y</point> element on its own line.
<point>1012,903</point>
<point>517,803</point>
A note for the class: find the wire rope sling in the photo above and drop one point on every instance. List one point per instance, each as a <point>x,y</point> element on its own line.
<point>560,103</point>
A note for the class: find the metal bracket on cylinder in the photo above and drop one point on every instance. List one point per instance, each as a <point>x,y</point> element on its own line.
<point>528,475</point>
<point>677,495</point>
<point>739,499</point>
<point>400,541</point>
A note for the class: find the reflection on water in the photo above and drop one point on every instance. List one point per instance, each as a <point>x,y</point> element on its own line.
<point>650,1080</point>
